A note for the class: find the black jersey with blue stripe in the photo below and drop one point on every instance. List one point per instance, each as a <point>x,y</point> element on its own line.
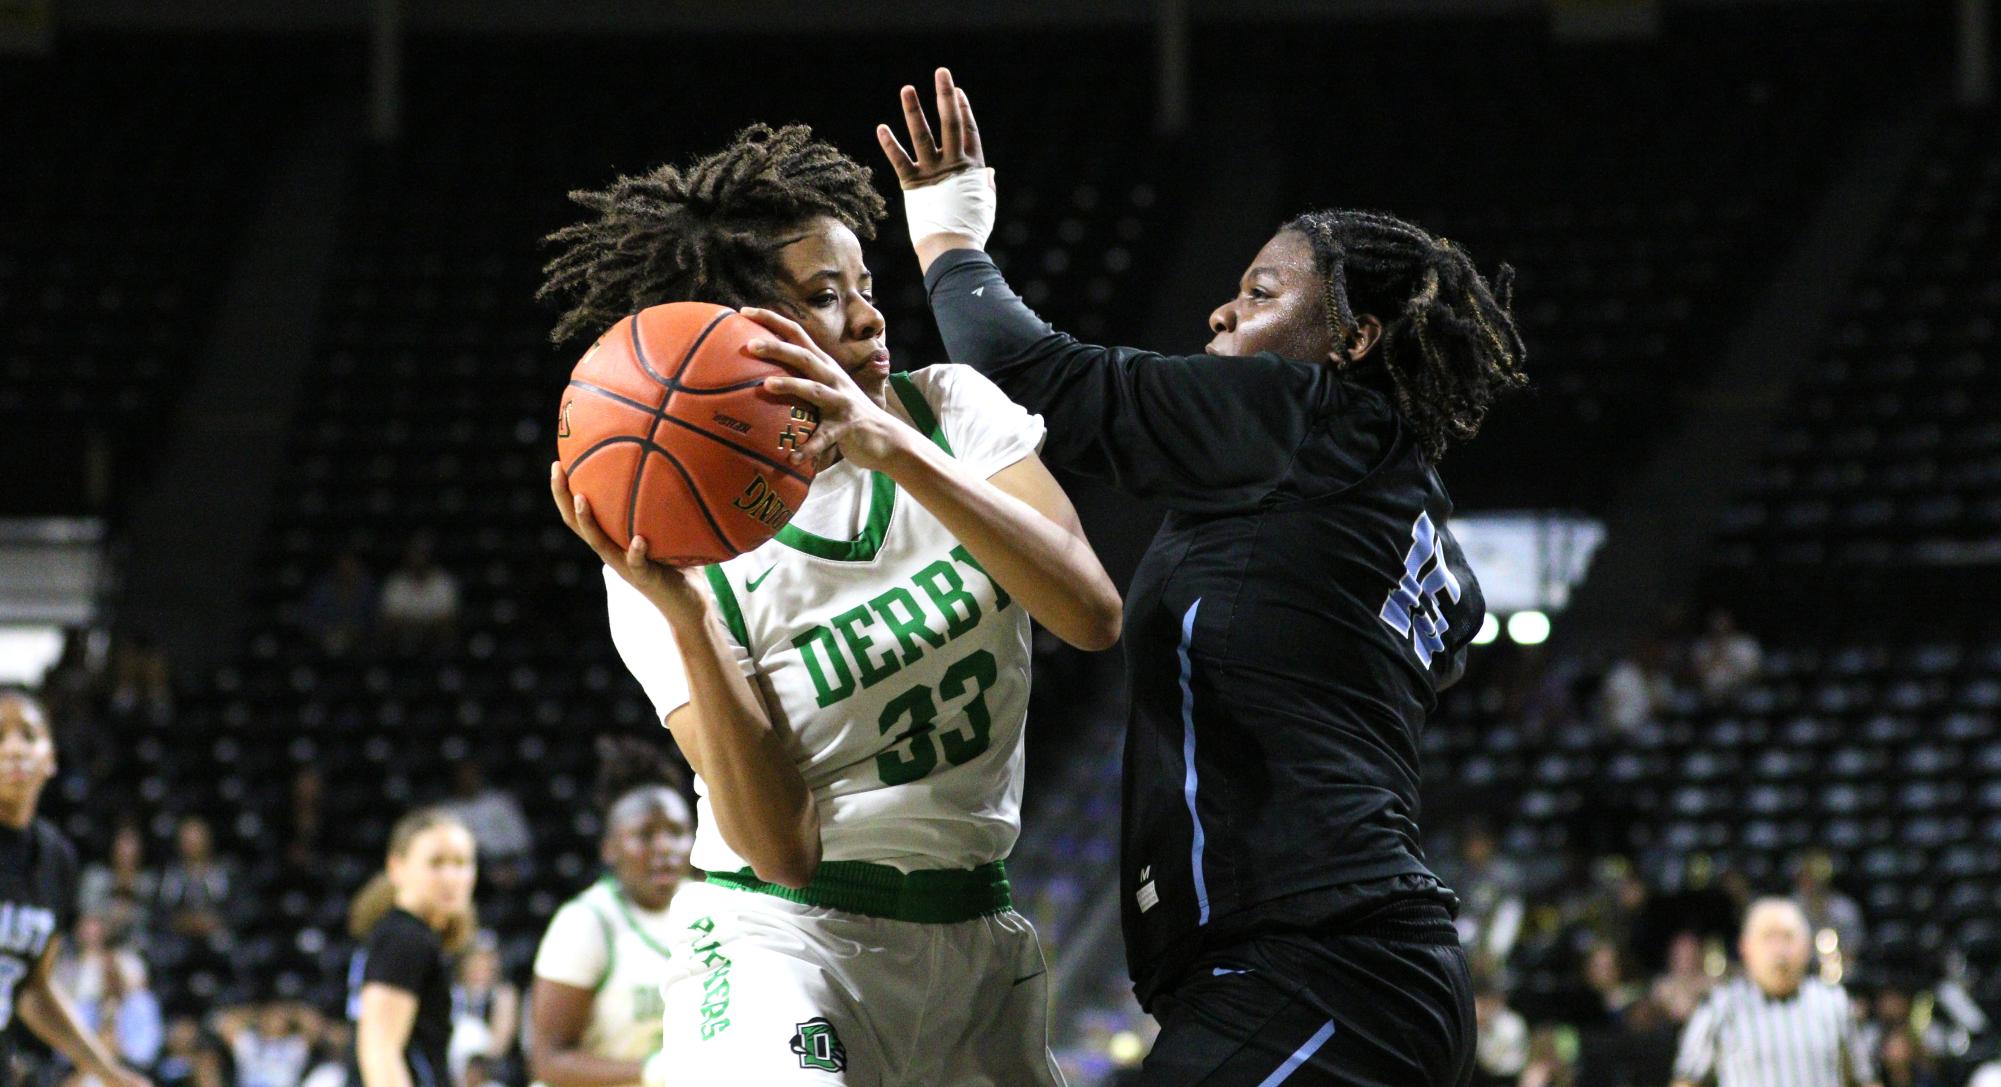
<point>1286,632</point>
<point>38,872</point>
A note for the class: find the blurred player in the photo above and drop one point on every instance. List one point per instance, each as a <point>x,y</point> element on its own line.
<point>1288,628</point>
<point>850,694</point>
<point>412,916</point>
<point>595,1009</point>
<point>38,876</point>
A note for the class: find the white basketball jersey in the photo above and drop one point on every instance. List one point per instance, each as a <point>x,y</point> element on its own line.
<point>894,669</point>
<point>600,941</point>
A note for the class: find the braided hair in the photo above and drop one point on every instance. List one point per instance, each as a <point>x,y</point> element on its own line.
<point>706,232</point>
<point>627,765</point>
<point>1449,345</point>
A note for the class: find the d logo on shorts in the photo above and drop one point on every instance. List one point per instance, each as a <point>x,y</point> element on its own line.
<point>818,1046</point>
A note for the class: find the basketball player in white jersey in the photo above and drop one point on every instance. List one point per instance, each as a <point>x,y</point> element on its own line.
<point>851,694</point>
<point>594,1017</point>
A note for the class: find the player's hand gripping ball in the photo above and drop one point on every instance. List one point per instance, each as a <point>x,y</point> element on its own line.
<point>669,432</point>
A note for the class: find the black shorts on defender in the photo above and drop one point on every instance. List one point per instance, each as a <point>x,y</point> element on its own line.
<point>1316,1010</point>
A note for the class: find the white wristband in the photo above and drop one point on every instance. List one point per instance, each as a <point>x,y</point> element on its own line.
<point>961,203</point>
<point>654,1072</point>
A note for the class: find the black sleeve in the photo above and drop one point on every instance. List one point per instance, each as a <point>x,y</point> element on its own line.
<point>400,956</point>
<point>1201,433</point>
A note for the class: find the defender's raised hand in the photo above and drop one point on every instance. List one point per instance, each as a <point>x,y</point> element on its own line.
<point>955,149</point>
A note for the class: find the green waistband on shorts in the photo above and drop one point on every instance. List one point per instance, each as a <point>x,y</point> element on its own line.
<point>943,896</point>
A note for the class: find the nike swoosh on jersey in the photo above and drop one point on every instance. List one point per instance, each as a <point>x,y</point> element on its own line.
<point>751,585</point>
<point>1030,977</point>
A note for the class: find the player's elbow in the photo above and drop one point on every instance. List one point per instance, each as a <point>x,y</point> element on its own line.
<point>1100,622</point>
<point>792,869</point>
<point>791,863</point>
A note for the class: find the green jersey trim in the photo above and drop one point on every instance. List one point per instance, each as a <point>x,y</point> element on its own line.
<point>930,897</point>
<point>882,493</point>
<point>726,603</point>
<point>733,615</point>
<point>919,411</point>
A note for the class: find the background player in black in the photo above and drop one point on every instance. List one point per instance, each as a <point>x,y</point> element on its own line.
<point>38,874</point>
<point>412,916</point>
<point>1288,628</point>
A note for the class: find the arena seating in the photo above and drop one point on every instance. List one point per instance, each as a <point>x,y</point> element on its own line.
<point>115,230</point>
<point>1871,731</point>
<point>1639,216</point>
<point>1889,458</point>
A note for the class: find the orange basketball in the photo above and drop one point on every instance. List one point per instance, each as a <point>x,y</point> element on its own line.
<point>667,428</point>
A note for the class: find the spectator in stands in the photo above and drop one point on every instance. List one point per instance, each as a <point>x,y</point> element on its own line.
<point>193,1058</point>
<point>85,967</point>
<point>1905,1063</point>
<point>1891,1013</point>
<point>478,1073</point>
<point>1607,974</point>
<point>308,804</point>
<point>195,890</point>
<point>1552,1058</point>
<point>1827,909</point>
<point>1503,1049</point>
<point>1724,658</point>
<point>506,844</point>
<point>126,1014</point>
<point>330,1056</point>
<point>1635,689</point>
<point>1639,1052</point>
<point>420,601</point>
<point>121,892</point>
<point>340,607</point>
<point>141,681</point>
<point>272,1044</point>
<point>1684,985</point>
<point>486,1010</point>
<point>1490,895</point>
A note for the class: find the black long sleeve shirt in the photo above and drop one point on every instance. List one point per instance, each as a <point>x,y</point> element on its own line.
<point>1286,632</point>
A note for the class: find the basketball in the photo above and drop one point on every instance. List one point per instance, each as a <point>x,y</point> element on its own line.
<point>667,428</point>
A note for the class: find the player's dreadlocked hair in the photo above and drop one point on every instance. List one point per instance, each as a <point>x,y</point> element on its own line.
<point>706,232</point>
<point>626,765</point>
<point>1449,340</point>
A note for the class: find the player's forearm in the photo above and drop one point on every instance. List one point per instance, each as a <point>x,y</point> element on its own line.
<point>572,1067</point>
<point>381,1067</point>
<point>1053,573</point>
<point>932,246</point>
<point>763,808</point>
<point>49,1014</point>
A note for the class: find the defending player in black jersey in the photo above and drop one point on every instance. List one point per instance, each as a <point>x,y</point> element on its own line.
<point>37,901</point>
<point>411,917</point>
<point>1289,628</point>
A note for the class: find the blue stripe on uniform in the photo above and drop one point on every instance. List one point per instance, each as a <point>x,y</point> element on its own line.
<point>1188,756</point>
<point>1299,1056</point>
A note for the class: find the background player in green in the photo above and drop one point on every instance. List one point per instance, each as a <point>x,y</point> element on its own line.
<point>1289,627</point>
<point>851,694</point>
<point>38,876</point>
<point>594,1018</point>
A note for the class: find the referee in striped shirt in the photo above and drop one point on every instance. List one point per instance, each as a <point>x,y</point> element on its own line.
<point>1775,1026</point>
